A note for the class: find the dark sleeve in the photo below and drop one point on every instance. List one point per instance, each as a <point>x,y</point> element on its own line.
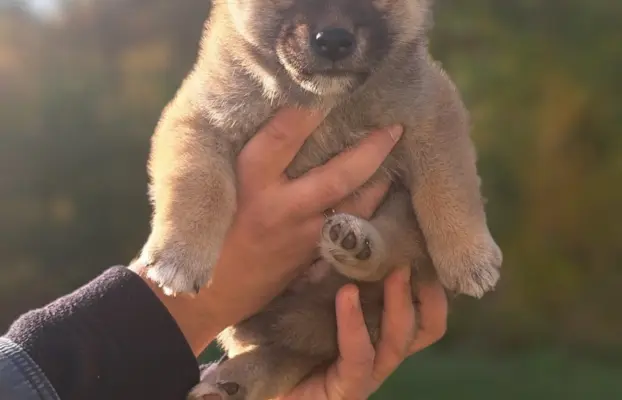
<point>110,339</point>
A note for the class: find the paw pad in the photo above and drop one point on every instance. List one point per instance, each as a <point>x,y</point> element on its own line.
<point>365,253</point>
<point>334,232</point>
<point>349,242</point>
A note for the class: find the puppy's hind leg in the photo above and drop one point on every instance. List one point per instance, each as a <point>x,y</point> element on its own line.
<point>368,250</point>
<point>260,374</point>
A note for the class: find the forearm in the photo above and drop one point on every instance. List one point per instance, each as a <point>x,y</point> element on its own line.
<point>110,339</point>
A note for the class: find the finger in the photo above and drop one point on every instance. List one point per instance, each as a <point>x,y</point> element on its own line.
<point>356,360</point>
<point>398,324</point>
<point>273,147</point>
<point>433,311</point>
<point>325,186</point>
<point>364,203</point>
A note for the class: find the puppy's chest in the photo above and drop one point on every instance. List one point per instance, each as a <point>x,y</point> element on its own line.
<point>344,128</point>
<point>331,138</point>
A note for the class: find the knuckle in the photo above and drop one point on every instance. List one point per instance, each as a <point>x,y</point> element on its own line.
<point>257,225</point>
<point>394,353</point>
<point>336,187</point>
<point>247,162</point>
<point>299,204</point>
<point>277,132</point>
<point>262,221</point>
<point>363,361</point>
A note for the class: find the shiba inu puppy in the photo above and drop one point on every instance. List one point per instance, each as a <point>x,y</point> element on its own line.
<point>366,64</point>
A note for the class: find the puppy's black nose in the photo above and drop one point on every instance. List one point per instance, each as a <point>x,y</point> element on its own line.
<point>333,44</point>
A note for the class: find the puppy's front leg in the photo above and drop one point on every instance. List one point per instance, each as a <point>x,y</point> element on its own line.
<point>446,198</point>
<point>194,200</point>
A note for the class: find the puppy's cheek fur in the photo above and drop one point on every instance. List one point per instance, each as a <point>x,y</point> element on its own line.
<point>256,24</point>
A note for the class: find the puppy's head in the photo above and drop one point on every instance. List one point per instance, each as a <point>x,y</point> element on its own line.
<point>328,47</point>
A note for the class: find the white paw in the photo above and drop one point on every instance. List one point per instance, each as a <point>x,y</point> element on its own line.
<point>471,269</point>
<point>179,271</point>
<point>352,245</point>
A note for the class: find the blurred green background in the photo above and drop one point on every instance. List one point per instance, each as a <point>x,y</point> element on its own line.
<point>82,84</point>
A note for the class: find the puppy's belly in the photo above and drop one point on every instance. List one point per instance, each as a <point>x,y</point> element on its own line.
<point>315,274</point>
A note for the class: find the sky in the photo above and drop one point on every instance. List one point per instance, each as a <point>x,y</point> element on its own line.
<point>43,6</point>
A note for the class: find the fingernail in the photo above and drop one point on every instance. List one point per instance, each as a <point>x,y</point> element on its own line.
<point>355,300</point>
<point>395,132</point>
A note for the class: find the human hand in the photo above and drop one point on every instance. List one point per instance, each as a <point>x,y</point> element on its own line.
<point>361,369</point>
<point>278,221</point>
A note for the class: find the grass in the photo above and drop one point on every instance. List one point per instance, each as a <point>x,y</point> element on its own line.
<point>434,376</point>
<point>431,375</point>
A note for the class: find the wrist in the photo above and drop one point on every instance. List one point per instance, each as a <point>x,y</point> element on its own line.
<point>193,314</point>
